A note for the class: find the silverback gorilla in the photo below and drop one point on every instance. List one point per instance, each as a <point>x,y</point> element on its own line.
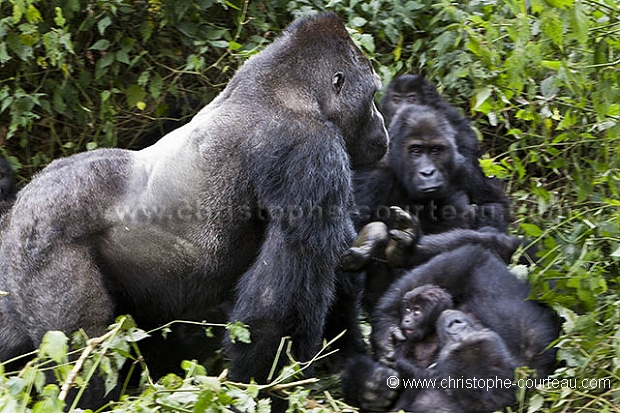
<point>248,203</point>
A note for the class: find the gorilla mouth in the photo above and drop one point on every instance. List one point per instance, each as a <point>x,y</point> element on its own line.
<point>430,189</point>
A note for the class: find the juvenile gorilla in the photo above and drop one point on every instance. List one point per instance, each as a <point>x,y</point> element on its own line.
<point>481,286</point>
<point>412,90</point>
<point>407,90</point>
<point>420,310</point>
<point>424,172</point>
<point>176,229</point>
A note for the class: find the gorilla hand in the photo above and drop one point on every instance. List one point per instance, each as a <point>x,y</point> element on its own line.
<point>384,344</point>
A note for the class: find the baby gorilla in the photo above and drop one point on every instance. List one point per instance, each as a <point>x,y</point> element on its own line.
<point>473,371</point>
<point>416,347</point>
<point>420,310</point>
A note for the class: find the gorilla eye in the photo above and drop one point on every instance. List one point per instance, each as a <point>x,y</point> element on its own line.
<point>338,82</point>
<point>407,310</point>
<point>415,149</point>
<point>411,99</point>
<point>396,99</point>
<point>436,150</point>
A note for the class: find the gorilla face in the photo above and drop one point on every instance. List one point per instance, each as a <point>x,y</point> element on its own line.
<point>364,130</point>
<point>423,153</point>
<point>341,87</point>
<point>420,309</point>
<point>454,326</point>
<point>407,90</point>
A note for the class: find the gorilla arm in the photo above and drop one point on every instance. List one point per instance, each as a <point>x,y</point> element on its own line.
<point>407,247</point>
<point>305,190</point>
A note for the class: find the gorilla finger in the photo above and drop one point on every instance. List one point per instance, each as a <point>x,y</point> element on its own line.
<point>400,219</point>
<point>403,237</point>
<point>354,259</point>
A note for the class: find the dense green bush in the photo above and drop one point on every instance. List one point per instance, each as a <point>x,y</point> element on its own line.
<point>539,78</point>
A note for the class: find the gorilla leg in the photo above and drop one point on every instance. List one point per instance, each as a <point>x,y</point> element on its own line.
<point>45,303</point>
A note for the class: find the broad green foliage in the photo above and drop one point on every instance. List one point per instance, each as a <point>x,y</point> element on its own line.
<point>539,78</point>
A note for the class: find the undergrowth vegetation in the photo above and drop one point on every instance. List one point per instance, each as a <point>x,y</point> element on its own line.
<point>540,80</point>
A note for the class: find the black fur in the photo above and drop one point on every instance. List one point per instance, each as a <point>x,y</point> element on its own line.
<point>407,90</point>
<point>248,203</point>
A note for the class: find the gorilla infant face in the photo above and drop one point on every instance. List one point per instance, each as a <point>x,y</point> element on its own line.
<point>420,309</point>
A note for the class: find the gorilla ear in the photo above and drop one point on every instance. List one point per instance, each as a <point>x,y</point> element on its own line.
<point>338,81</point>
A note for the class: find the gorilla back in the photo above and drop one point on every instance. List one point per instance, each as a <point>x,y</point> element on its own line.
<point>248,203</point>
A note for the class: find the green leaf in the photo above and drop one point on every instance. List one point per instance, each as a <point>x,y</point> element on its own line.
<point>59,19</point>
<point>531,230</point>
<point>561,4</point>
<point>134,94</point>
<point>55,346</point>
<point>357,21</point>
<point>238,331</point>
<point>104,24</point>
<point>536,403</point>
<point>551,64</point>
<point>367,42</point>
<point>234,45</point>
<point>552,25</point>
<point>136,334</point>
<point>579,23</point>
<point>33,15</point>
<point>4,55</point>
<point>482,96</point>
<point>156,86</point>
<point>101,44</point>
<point>123,57</point>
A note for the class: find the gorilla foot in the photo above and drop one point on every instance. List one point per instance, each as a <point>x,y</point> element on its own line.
<point>369,244</point>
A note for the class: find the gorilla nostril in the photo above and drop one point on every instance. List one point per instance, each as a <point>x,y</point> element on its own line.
<point>427,173</point>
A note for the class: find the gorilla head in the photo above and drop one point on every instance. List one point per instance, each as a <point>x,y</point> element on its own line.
<point>423,153</point>
<point>407,90</point>
<point>339,86</point>
<point>420,309</point>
